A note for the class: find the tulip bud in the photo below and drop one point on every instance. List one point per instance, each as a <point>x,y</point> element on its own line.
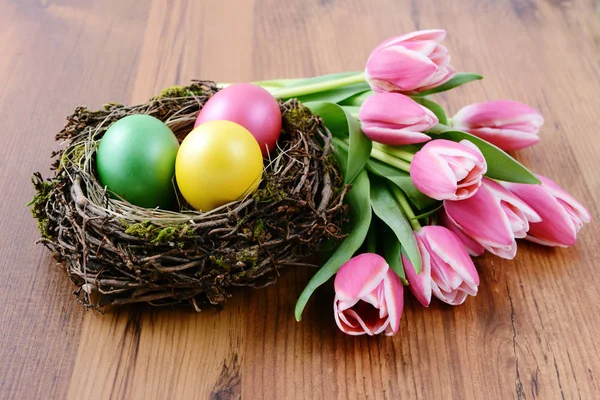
<point>410,63</point>
<point>448,272</point>
<point>507,124</point>
<point>482,219</point>
<point>395,119</point>
<point>446,170</point>
<point>368,297</point>
<point>562,216</point>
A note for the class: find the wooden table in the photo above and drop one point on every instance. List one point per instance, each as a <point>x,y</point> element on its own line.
<point>532,332</point>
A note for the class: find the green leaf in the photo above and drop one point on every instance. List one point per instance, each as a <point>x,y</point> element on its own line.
<point>357,99</point>
<point>333,117</point>
<point>388,210</point>
<point>392,252</point>
<point>354,110</point>
<point>335,95</point>
<point>500,165</point>
<point>459,79</point>
<point>403,181</point>
<point>341,123</point>
<point>434,107</point>
<point>360,209</point>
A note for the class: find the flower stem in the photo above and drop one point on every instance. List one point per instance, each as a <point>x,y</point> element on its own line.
<point>405,206</point>
<point>394,151</point>
<point>390,159</point>
<point>319,87</point>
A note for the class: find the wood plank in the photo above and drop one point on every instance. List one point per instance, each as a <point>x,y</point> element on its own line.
<point>54,57</point>
<point>531,331</point>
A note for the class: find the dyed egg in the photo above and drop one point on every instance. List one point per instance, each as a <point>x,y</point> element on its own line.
<point>250,106</point>
<point>217,163</point>
<point>136,160</point>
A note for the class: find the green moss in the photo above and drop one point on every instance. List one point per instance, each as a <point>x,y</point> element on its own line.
<point>218,261</point>
<point>157,234</point>
<point>270,192</point>
<point>110,106</point>
<point>259,230</point>
<point>176,91</point>
<point>38,204</point>
<point>300,117</point>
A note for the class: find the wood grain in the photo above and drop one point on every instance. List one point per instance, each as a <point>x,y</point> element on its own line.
<point>531,333</point>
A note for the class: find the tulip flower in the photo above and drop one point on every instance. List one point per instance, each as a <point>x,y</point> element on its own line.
<point>483,219</point>
<point>519,214</point>
<point>446,170</point>
<point>395,119</point>
<point>410,63</point>
<point>448,271</point>
<point>474,248</point>
<point>369,297</point>
<point>561,215</point>
<point>508,124</point>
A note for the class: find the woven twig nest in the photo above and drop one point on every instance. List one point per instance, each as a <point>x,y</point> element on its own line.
<point>118,253</point>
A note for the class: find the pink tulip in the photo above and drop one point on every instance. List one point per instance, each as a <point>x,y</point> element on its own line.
<point>519,214</point>
<point>448,271</point>
<point>368,297</point>
<point>474,248</point>
<point>410,63</point>
<point>446,170</point>
<point>395,119</point>
<point>561,215</point>
<point>483,220</point>
<point>508,124</point>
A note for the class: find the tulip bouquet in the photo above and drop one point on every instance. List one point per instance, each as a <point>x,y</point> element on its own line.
<point>428,192</point>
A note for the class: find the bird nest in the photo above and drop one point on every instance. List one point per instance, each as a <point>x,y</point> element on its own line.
<point>118,253</point>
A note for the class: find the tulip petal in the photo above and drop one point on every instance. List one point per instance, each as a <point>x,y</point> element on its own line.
<point>473,248</point>
<point>574,207</point>
<point>419,284</point>
<point>360,276</point>
<point>394,137</point>
<point>557,227</point>
<point>507,124</point>
<point>394,298</point>
<point>481,218</point>
<point>385,66</point>
<point>448,248</point>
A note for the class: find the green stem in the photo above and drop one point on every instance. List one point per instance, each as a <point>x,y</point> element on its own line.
<point>390,159</point>
<point>405,206</point>
<point>395,151</point>
<point>319,87</point>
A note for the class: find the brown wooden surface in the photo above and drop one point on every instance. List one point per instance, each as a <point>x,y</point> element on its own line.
<point>532,332</point>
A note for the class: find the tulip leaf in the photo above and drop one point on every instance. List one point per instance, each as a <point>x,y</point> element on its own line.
<point>333,117</point>
<point>403,181</point>
<point>386,207</point>
<point>392,252</point>
<point>434,108</point>
<point>459,79</point>
<point>360,210</point>
<point>342,123</point>
<point>357,99</point>
<point>500,165</point>
<point>335,95</point>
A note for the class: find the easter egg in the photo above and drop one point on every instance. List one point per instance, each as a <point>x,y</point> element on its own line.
<point>250,106</point>
<point>218,162</point>
<point>136,161</point>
